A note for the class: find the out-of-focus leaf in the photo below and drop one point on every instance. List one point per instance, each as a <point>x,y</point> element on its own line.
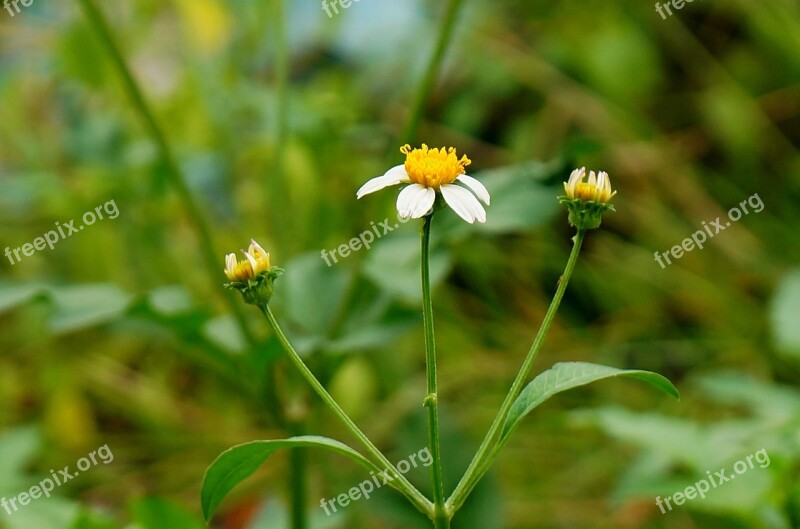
<point>393,265</point>
<point>238,463</point>
<point>785,315</point>
<point>275,515</point>
<point>170,300</point>
<point>43,513</point>
<point>568,375</point>
<point>12,296</point>
<point>314,292</point>
<point>375,336</point>
<point>92,520</point>
<point>158,513</point>
<point>17,447</point>
<point>680,440</point>
<point>768,401</point>
<point>81,306</point>
<point>520,200</point>
<point>354,386</point>
<point>225,333</point>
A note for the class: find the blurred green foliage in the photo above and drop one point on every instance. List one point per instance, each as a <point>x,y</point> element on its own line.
<point>118,335</point>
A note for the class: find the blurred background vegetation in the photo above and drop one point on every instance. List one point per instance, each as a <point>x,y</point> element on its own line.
<point>273,115</point>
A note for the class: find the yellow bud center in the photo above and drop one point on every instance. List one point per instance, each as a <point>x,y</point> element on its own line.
<point>241,272</point>
<point>585,191</point>
<point>433,167</point>
<point>255,262</point>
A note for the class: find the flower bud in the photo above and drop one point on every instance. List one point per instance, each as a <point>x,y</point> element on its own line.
<point>253,276</point>
<point>587,200</point>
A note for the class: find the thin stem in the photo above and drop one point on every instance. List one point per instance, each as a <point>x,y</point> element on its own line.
<point>400,482</point>
<point>431,401</point>
<point>431,71</point>
<point>486,453</point>
<point>98,21</point>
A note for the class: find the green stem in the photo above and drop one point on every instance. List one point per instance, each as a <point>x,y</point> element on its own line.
<point>399,482</point>
<point>441,514</point>
<point>441,520</point>
<point>431,71</point>
<point>213,264</point>
<point>486,453</point>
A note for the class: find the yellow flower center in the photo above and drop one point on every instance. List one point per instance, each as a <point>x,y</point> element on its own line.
<point>262,261</point>
<point>256,261</point>
<point>241,272</point>
<point>433,167</point>
<point>586,191</point>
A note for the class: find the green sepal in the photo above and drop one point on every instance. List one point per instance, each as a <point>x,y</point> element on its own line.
<point>258,291</point>
<point>585,214</point>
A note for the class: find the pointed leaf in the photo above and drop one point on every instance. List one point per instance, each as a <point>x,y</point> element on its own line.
<point>240,462</point>
<point>568,375</point>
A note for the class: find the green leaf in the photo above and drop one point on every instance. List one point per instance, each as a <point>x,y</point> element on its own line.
<point>240,462</point>
<point>568,375</point>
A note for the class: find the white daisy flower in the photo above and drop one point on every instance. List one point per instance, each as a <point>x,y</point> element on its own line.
<point>432,171</point>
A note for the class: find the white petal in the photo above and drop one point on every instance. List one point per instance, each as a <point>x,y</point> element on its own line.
<point>393,176</point>
<point>463,203</point>
<point>601,180</point>
<point>230,262</point>
<point>415,201</point>
<point>606,182</point>
<point>255,246</point>
<point>477,188</point>
<point>576,177</point>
